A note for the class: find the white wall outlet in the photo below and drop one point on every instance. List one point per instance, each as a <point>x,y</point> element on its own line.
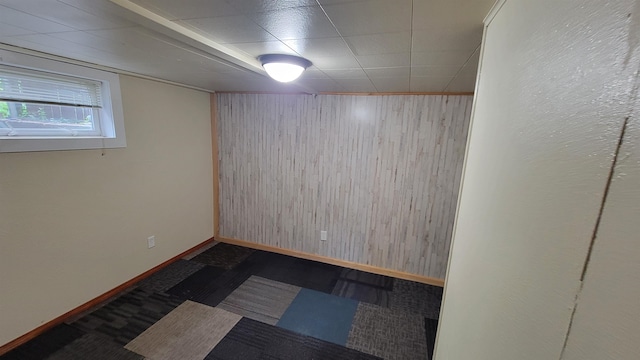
<point>323,235</point>
<point>151,241</point>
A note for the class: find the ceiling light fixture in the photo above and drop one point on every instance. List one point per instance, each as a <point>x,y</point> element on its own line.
<point>283,68</point>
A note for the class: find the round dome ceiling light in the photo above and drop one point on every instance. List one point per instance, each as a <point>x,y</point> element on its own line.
<point>284,68</point>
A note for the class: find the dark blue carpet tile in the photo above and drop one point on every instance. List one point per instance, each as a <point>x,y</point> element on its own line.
<point>196,285</point>
<point>253,340</point>
<point>430,328</point>
<point>94,347</point>
<point>320,315</point>
<point>223,255</point>
<point>299,272</point>
<point>45,344</point>
<point>126,317</point>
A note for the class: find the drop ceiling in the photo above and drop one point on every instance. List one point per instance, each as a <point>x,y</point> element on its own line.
<point>355,46</point>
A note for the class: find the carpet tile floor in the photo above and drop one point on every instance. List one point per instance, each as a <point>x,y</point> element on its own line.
<point>229,302</point>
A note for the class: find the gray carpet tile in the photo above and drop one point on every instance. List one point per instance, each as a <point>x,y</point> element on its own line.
<point>94,347</point>
<point>170,276</point>
<point>389,334</point>
<point>260,299</point>
<point>193,254</point>
<point>190,331</point>
<point>45,344</point>
<point>253,340</point>
<point>416,298</point>
<point>126,317</point>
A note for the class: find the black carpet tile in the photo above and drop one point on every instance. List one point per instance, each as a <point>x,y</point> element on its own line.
<point>251,339</point>
<point>129,315</point>
<point>196,285</point>
<point>94,347</point>
<point>416,298</point>
<point>299,272</point>
<point>363,286</point>
<point>46,344</point>
<point>169,276</point>
<point>430,328</point>
<point>224,255</point>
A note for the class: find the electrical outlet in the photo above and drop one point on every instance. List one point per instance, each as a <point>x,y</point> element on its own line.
<point>151,241</point>
<point>323,235</point>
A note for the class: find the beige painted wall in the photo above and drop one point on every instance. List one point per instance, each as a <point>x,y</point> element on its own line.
<point>74,224</point>
<point>379,173</point>
<point>555,84</point>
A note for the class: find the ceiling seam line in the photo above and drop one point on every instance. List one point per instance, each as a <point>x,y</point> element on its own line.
<point>462,67</point>
<point>346,43</point>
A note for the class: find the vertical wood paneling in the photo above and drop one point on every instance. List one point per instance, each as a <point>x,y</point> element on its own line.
<point>379,173</point>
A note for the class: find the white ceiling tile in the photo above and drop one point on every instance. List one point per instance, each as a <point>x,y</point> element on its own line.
<point>11,30</point>
<point>373,44</point>
<point>189,9</point>
<point>346,74</point>
<point>371,17</point>
<point>33,23</point>
<point>230,29</point>
<point>440,39</point>
<point>462,83</point>
<point>330,2</point>
<point>64,14</point>
<point>449,13</point>
<point>255,6</point>
<point>334,62</point>
<point>314,73</point>
<point>321,85</point>
<point>265,47</point>
<point>357,85</point>
<point>440,58</point>
<point>302,22</point>
<point>319,48</point>
<point>385,60</point>
<point>391,84</point>
<point>426,84</point>
<point>435,71</point>
<point>398,72</point>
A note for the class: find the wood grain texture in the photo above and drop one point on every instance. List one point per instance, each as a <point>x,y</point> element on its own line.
<point>214,158</point>
<point>379,173</point>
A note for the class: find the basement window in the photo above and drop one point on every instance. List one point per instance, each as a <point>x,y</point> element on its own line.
<point>51,105</point>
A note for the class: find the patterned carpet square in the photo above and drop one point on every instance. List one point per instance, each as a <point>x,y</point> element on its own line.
<point>260,299</point>
<point>94,347</point>
<point>253,340</point>
<point>223,255</point>
<point>430,329</point>
<point>416,298</point>
<point>320,315</point>
<point>389,334</point>
<point>170,276</point>
<point>129,315</point>
<point>45,344</point>
<point>190,331</point>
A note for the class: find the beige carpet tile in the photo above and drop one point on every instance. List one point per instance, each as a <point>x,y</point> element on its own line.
<point>189,332</point>
<point>260,299</point>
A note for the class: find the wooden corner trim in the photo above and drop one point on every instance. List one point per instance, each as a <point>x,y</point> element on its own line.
<point>333,261</point>
<point>96,301</point>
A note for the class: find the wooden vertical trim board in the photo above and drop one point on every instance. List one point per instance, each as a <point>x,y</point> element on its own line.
<point>214,158</point>
<point>338,262</point>
<point>94,302</point>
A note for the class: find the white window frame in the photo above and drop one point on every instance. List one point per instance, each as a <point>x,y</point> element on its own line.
<point>111,115</point>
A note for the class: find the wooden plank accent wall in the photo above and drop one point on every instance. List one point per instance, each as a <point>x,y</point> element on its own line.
<point>379,173</point>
